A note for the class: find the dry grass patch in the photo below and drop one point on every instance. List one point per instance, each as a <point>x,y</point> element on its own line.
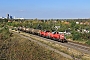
<point>74,53</point>
<point>24,49</point>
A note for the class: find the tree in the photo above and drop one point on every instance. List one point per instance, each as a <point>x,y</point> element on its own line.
<point>76,35</point>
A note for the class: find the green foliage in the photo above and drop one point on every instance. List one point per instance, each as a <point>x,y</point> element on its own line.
<point>77,26</point>
<point>9,23</point>
<point>68,36</point>
<point>76,35</point>
<point>3,20</point>
<point>14,24</point>
<point>85,36</point>
<point>73,23</point>
<point>50,25</point>
<point>2,25</point>
<point>88,42</point>
<point>4,33</point>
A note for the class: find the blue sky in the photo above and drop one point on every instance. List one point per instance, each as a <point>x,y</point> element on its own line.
<point>45,9</point>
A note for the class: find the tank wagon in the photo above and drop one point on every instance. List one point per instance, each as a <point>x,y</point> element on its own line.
<point>20,28</point>
<point>36,31</point>
<point>23,29</point>
<point>31,30</point>
<point>47,34</point>
<point>28,30</point>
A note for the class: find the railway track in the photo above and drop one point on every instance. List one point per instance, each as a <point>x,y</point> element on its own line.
<point>79,47</point>
<point>44,45</point>
<point>86,48</point>
<point>82,48</point>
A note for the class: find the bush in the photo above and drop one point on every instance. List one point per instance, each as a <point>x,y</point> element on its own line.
<point>88,42</point>
<point>76,36</point>
<point>5,33</point>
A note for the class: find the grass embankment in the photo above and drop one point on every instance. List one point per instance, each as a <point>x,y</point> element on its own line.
<point>18,48</point>
<point>70,51</point>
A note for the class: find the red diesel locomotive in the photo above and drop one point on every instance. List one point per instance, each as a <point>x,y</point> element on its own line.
<point>47,34</point>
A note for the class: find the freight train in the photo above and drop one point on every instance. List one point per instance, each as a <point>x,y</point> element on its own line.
<point>47,34</point>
